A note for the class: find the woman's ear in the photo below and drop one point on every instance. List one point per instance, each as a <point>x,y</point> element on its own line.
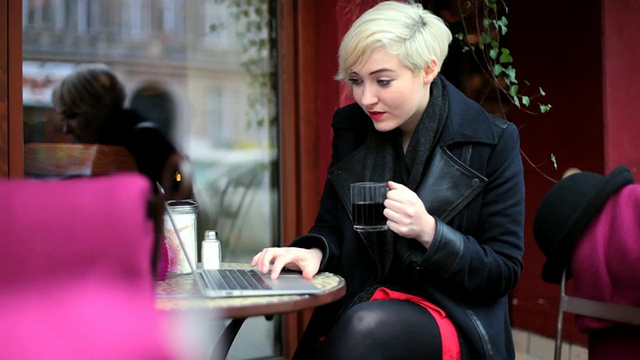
<point>430,72</point>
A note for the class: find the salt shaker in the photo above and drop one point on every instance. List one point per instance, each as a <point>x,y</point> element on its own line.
<point>211,254</point>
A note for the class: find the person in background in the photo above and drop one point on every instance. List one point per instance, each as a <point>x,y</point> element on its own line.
<point>157,105</point>
<point>435,285</point>
<point>90,102</point>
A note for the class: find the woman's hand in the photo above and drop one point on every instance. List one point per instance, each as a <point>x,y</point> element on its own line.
<point>305,260</point>
<point>407,216</point>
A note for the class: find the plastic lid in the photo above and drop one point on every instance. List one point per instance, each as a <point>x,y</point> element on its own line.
<point>183,206</point>
<point>210,235</point>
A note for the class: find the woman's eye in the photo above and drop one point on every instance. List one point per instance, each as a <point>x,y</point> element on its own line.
<point>355,81</point>
<point>384,82</point>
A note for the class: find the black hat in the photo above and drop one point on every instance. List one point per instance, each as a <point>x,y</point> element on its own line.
<point>566,211</point>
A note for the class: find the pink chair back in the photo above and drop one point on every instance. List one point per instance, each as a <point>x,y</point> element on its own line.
<point>77,279</point>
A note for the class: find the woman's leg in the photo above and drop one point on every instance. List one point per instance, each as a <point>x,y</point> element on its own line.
<point>384,329</point>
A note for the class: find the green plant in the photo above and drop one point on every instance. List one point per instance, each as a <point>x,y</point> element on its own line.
<point>484,26</point>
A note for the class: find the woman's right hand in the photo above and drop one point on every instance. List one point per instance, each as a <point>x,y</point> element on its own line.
<point>276,258</point>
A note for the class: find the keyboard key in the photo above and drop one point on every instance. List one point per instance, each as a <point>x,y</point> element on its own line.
<point>226,279</point>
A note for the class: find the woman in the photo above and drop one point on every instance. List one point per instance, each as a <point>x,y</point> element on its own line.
<point>90,102</point>
<point>455,209</point>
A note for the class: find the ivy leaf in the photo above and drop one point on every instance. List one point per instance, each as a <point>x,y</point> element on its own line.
<point>506,56</point>
<point>485,38</point>
<point>510,73</point>
<point>544,108</point>
<point>497,69</point>
<point>525,100</point>
<point>542,91</point>
<point>513,90</point>
<point>553,160</point>
<point>493,53</point>
<point>502,25</point>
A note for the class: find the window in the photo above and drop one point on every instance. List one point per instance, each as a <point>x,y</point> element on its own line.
<point>201,54</point>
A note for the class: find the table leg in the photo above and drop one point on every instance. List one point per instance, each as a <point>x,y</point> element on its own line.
<point>221,349</point>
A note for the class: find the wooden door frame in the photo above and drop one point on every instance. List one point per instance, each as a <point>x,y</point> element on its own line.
<point>4,90</point>
<point>11,127</point>
<point>298,132</point>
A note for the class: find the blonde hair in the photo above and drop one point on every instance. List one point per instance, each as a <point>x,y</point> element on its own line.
<point>418,37</point>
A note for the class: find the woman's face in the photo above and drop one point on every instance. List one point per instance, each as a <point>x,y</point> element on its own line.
<point>82,129</point>
<point>392,94</point>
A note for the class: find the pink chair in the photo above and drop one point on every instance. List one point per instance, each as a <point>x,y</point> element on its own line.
<point>77,279</point>
<point>588,227</point>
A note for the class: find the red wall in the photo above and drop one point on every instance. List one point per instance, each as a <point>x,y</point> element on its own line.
<point>621,84</point>
<point>328,88</point>
<point>335,18</point>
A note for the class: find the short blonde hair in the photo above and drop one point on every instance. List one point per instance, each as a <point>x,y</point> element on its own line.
<point>415,35</point>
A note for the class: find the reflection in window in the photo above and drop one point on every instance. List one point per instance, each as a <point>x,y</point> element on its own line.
<point>221,29</point>
<point>211,62</point>
<point>130,18</point>
<point>216,109</point>
<point>134,23</point>
<point>173,17</point>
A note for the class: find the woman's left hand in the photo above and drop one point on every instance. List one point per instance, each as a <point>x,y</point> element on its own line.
<point>407,215</point>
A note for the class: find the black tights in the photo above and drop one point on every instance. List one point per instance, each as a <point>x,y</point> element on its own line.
<point>383,329</point>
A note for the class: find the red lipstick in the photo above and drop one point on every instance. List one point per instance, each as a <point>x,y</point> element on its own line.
<point>376,115</point>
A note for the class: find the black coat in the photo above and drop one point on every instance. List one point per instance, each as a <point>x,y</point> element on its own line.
<point>474,187</point>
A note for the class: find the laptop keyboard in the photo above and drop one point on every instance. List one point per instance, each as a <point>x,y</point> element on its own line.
<point>232,279</point>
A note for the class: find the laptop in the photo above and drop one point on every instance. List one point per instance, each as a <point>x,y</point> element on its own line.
<point>218,283</point>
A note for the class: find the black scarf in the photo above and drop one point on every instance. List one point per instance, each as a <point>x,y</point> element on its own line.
<point>386,160</point>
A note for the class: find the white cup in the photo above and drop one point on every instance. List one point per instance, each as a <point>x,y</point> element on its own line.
<point>184,214</point>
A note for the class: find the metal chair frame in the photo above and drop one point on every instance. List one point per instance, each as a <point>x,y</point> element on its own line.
<point>598,309</point>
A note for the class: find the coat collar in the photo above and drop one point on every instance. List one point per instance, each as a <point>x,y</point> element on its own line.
<point>467,121</point>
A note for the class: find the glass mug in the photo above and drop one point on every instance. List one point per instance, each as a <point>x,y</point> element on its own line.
<point>367,206</point>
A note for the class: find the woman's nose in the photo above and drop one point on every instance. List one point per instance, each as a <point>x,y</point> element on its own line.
<point>369,96</point>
